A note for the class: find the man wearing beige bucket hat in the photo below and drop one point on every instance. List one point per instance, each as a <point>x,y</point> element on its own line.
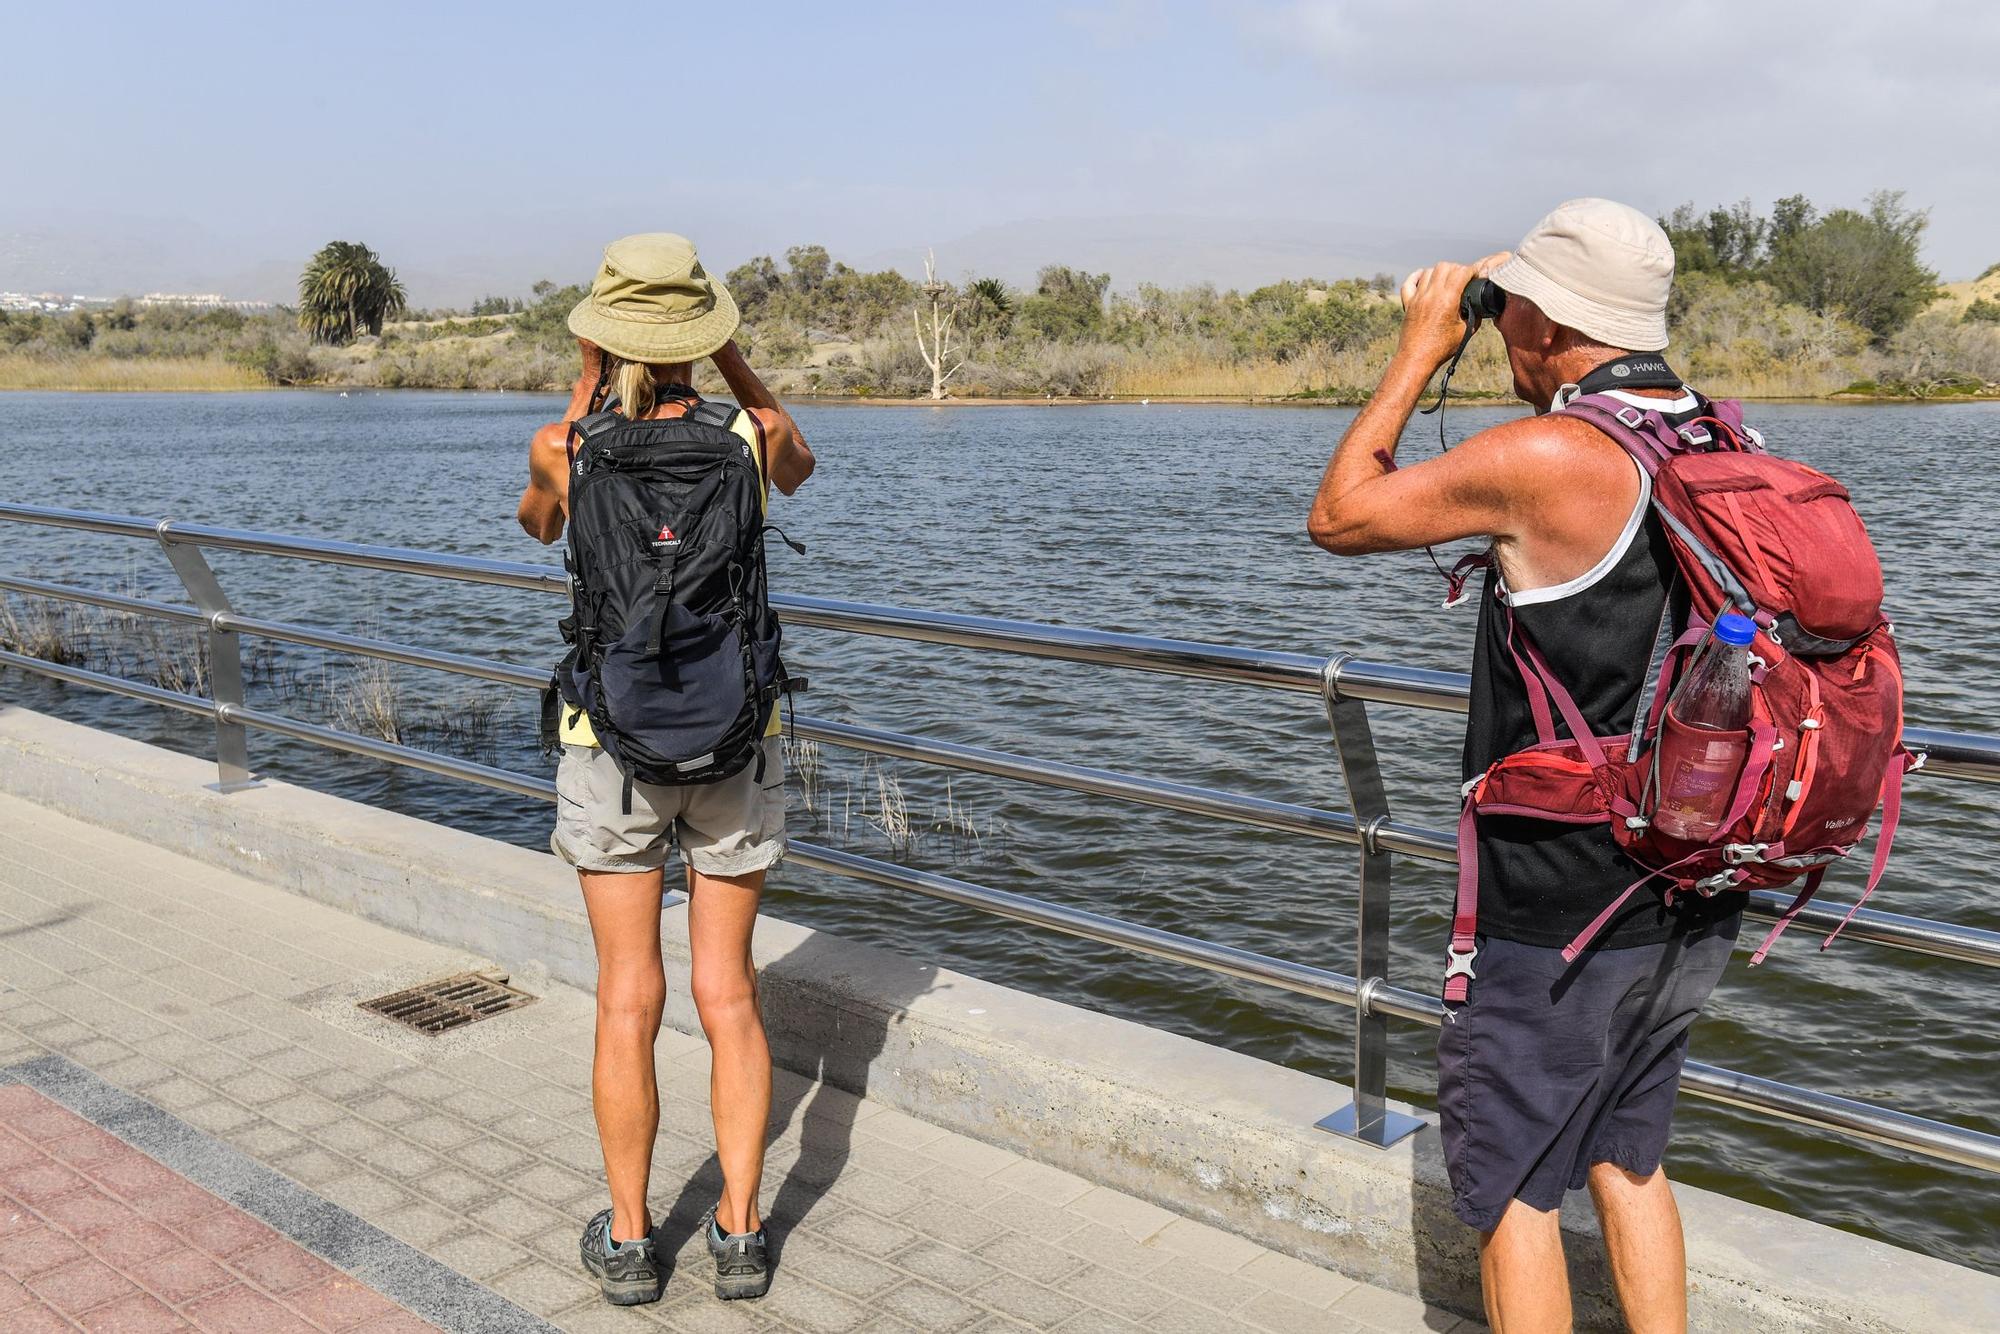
<point>1551,1076</point>
<point>652,314</point>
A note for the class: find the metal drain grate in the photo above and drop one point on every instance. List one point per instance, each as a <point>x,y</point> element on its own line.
<point>449,1003</point>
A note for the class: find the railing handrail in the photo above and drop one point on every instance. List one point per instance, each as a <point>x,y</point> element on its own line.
<point>1951,754</point>
<point>1336,678</point>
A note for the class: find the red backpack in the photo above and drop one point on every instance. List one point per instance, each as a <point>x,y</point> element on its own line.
<point>1780,543</point>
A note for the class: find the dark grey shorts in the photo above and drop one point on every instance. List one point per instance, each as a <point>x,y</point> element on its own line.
<point>1549,1067</point>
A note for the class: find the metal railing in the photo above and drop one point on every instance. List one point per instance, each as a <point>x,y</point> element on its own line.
<point>1345,685</point>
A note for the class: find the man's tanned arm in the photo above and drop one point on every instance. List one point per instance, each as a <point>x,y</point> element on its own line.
<point>1365,502</point>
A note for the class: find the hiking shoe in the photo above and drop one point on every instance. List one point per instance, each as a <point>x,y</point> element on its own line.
<point>742,1261</point>
<point>628,1271</point>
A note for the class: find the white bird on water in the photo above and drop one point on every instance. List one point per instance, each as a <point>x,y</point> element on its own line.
<point>1145,402</point>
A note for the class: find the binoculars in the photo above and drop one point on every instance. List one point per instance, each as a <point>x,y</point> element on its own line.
<point>1482,300</point>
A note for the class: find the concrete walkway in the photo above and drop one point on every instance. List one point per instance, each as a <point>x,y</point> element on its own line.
<point>157,1013</point>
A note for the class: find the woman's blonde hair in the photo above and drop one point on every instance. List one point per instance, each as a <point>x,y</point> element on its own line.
<point>632,381</point>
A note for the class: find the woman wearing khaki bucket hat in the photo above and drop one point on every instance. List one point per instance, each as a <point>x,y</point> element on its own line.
<point>652,314</point>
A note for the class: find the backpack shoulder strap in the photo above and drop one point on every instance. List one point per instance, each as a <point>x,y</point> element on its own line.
<point>587,428</point>
<point>710,412</point>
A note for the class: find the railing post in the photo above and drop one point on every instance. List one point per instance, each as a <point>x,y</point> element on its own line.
<point>1367,1118</point>
<point>225,661</point>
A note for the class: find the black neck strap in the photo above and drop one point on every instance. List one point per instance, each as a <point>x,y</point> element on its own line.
<point>1634,370</point>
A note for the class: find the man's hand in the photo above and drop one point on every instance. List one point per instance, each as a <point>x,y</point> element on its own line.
<point>1432,326</point>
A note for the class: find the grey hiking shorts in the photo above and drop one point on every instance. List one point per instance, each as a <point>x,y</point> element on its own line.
<point>1549,1068</point>
<point>732,827</point>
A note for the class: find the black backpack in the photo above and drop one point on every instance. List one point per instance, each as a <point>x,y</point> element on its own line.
<point>675,647</point>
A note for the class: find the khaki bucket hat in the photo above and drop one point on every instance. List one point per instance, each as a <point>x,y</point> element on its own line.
<point>652,301</point>
<point>1600,267</point>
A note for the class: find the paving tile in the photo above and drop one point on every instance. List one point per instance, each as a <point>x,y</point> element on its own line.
<point>929,1307</point>
<point>513,1217</point>
<point>1022,1213</point>
<point>1030,1258</point>
<point>1206,1245</point>
<point>38,1319</point>
<point>802,1305</point>
<point>455,1189</point>
<point>969,1156</point>
<point>1298,1280</point>
<point>1048,1184</point>
<point>840,1269</point>
<point>955,1187</point>
<point>946,1266</point>
<point>177,1276</point>
<point>222,1233</point>
<point>243,1309</point>
<point>1090,1321</point>
<point>899,1129</point>
<point>543,1288</point>
<point>1380,1309</point>
<point>137,1313</point>
<point>478,1256</point>
<point>438,1132</point>
<point>496,1158</point>
<point>280,1267</point>
<point>1136,1218</point>
<point>78,1285</point>
<point>1210,1287</point>
<point>86,1214</point>
<point>1019,1299</point>
<point>40,1180</point>
<point>364,1193</point>
<point>868,1234</point>
<point>1120,1294</point>
<point>36,1250</point>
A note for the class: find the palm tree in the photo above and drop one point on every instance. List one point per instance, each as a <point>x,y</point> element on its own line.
<point>345,291</point>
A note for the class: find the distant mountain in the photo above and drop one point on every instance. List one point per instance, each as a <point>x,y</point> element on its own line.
<point>131,256</point>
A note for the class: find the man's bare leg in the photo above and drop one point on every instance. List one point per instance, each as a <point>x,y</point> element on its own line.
<point>1521,1271</point>
<point>1642,1232</point>
<point>624,910</point>
<point>722,910</point>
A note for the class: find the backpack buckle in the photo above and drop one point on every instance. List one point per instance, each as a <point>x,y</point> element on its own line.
<point>1718,882</point>
<point>1631,416</point>
<point>1696,435</point>
<point>1738,854</point>
<point>1459,963</point>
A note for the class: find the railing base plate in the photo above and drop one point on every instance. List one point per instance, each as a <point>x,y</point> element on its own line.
<point>243,785</point>
<point>1391,1128</point>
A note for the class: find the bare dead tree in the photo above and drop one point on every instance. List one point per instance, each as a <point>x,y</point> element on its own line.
<point>944,314</point>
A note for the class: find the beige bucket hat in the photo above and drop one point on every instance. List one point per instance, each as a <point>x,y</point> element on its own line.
<point>1600,267</point>
<point>652,301</point>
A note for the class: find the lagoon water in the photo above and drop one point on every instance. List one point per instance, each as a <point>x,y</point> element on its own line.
<point>1167,519</point>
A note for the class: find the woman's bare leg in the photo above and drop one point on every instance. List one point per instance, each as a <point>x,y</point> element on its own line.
<point>624,910</point>
<point>722,910</point>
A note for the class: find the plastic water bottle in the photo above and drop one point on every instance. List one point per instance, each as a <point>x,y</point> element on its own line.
<point>1706,734</point>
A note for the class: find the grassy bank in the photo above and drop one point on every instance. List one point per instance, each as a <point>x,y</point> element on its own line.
<point>98,375</point>
<point>820,330</point>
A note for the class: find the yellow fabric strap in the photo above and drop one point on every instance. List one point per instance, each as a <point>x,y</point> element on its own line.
<point>575,729</point>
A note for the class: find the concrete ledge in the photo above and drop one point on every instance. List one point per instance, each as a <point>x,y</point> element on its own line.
<point>1199,1130</point>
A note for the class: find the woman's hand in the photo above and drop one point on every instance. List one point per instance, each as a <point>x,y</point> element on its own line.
<point>581,397</point>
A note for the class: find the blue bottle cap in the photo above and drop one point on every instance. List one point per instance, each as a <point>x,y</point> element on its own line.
<point>1731,628</point>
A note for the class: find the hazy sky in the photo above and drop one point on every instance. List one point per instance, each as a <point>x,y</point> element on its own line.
<point>481,146</point>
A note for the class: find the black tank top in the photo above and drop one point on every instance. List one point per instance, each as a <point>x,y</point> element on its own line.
<point>1542,882</point>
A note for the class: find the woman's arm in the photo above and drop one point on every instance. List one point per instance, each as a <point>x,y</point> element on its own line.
<point>787,460</point>
<point>546,500</point>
